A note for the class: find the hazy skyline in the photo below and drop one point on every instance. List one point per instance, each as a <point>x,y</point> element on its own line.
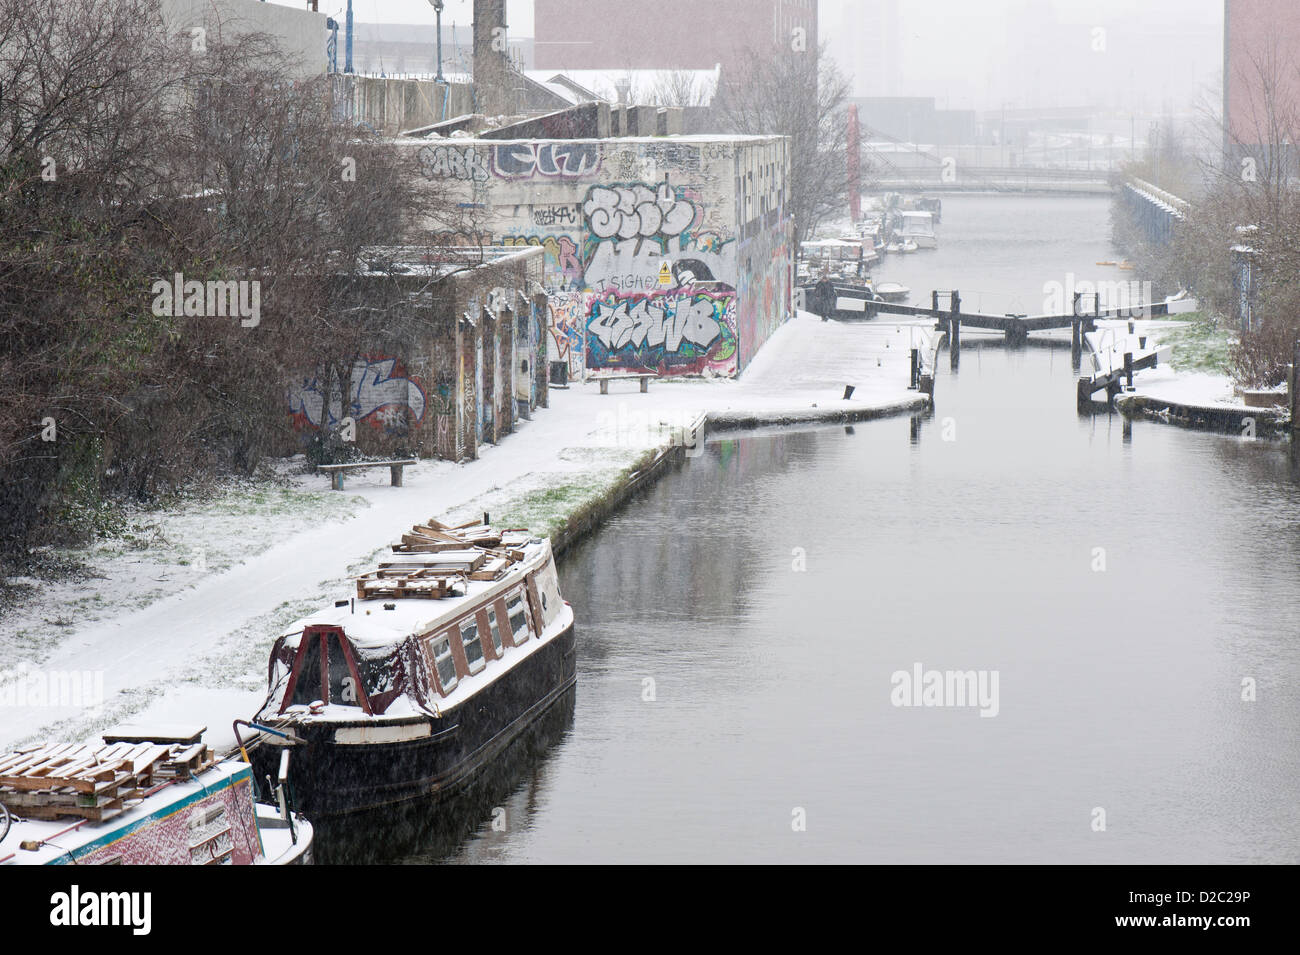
<point>1154,55</point>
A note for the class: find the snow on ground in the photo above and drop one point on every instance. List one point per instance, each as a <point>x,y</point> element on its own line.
<point>1186,388</point>
<point>1166,382</point>
<point>177,622</point>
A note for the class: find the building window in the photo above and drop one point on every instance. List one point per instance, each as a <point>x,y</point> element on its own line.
<point>473,645</point>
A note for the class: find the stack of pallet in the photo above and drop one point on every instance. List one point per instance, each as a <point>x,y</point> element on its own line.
<point>434,557</point>
<point>92,782</point>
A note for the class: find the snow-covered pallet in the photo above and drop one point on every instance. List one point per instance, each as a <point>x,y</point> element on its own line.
<point>433,557</point>
<point>92,782</point>
<point>421,583</point>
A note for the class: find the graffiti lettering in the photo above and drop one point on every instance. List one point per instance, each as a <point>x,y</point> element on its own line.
<point>554,160</point>
<point>555,215</point>
<point>452,162</point>
<point>656,323</point>
<point>627,212</point>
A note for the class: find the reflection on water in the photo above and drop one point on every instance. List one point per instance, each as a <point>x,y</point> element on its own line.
<point>741,625</point>
<point>1120,679</point>
<point>501,797</point>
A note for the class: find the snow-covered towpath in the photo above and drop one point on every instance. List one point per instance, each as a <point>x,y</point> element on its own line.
<point>194,649</point>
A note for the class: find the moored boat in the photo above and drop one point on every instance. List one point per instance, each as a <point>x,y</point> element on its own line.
<point>443,656</point>
<point>891,291</point>
<point>916,227</point>
<point>139,803</point>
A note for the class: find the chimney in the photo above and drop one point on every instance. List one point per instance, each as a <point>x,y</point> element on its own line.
<point>491,60</point>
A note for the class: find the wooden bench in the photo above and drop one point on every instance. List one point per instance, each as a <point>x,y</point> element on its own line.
<point>606,379</point>
<point>336,471</point>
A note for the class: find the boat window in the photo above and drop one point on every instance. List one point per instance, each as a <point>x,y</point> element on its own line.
<point>343,687</point>
<point>494,630</point>
<point>378,675</point>
<point>473,644</point>
<point>446,665</point>
<point>517,608</point>
<point>306,688</point>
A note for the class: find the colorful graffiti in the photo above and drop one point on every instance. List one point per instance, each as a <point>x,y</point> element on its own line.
<point>764,287</point>
<point>452,162</point>
<point>381,395</point>
<point>558,160</point>
<point>568,319</point>
<point>644,261</point>
<point>561,252</point>
<point>678,330</point>
<point>632,229</point>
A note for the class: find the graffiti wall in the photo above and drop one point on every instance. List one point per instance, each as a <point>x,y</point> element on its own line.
<point>380,395</point>
<point>449,372</point>
<point>665,255</point>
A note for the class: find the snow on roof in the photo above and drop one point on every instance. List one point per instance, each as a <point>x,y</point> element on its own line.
<point>644,86</point>
<point>368,624</point>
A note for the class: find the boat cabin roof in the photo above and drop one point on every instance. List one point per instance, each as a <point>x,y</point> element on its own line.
<point>401,583</point>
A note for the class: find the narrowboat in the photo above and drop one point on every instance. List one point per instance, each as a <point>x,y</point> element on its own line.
<point>140,802</point>
<point>445,653</point>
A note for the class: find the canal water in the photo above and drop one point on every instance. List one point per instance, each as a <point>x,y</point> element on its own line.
<point>742,627</point>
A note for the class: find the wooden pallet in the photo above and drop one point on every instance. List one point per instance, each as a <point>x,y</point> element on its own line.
<point>420,583</point>
<point>92,782</point>
<point>440,556</point>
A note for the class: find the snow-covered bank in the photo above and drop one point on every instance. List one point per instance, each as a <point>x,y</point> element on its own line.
<point>188,641</point>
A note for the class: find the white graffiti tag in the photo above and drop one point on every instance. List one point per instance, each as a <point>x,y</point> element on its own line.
<point>627,212</point>
<point>656,323</point>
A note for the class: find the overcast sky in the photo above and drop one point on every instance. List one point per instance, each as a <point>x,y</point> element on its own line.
<point>970,54</point>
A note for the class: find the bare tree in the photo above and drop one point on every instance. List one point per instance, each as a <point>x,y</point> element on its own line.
<point>1238,178</point>
<point>800,94</point>
<point>128,156</point>
<point>682,88</point>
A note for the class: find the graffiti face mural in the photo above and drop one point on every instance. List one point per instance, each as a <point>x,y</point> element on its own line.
<point>380,395</point>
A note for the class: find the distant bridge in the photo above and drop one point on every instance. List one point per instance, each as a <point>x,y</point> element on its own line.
<point>1001,179</point>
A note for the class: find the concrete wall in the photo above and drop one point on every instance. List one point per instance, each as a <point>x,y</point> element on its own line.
<point>299,32</point>
<point>394,106</point>
<point>671,34</point>
<point>668,255</point>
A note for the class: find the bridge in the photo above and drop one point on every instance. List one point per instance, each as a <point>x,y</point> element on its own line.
<point>1016,180</point>
<point>898,168</point>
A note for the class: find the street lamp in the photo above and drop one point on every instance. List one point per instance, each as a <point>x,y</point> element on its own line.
<point>437,10</point>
